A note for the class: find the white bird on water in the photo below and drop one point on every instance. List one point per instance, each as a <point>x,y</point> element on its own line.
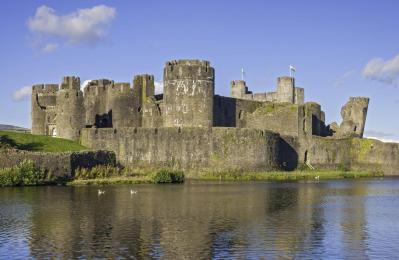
<point>101,192</point>
<point>133,192</point>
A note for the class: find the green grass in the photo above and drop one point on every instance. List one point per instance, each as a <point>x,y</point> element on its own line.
<point>112,180</point>
<point>101,175</point>
<point>29,142</point>
<point>285,176</point>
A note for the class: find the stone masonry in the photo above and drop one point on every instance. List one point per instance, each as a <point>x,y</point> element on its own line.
<point>188,126</point>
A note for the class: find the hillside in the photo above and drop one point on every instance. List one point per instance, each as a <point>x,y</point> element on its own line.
<point>13,128</point>
<point>29,142</point>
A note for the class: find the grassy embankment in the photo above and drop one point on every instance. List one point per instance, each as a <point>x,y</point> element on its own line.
<point>27,173</point>
<point>296,175</point>
<point>41,143</point>
<point>101,175</point>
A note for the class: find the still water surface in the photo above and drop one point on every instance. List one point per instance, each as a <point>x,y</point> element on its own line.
<point>342,219</point>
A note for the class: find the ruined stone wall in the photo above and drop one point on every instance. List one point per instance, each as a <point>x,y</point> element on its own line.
<point>314,119</point>
<point>325,153</point>
<point>230,112</point>
<point>350,153</point>
<point>70,109</point>
<point>283,118</point>
<point>188,93</point>
<point>188,148</point>
<point>369,154</point>
<point>354,114</point>
<point>152,113</point>
<point>59,165</point>
<point>43,101</point>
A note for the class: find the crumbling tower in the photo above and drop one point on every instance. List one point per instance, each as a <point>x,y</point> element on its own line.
<point>354,114</point>
<point>143,88</point>
<point>70,109</point>
<point>286,90</point>
<point>188,93</point>
<point>43,108</point>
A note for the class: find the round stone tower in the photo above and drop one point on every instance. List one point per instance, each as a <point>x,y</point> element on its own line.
<point>285,90</point>
<point>70,109</point>
<point>188,93</point>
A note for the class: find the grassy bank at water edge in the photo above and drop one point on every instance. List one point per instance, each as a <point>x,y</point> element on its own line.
<point>285,176</point>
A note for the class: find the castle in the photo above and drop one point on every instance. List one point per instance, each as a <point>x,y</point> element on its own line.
<point>190,127</point>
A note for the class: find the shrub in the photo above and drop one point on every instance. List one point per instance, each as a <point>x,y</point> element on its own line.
<point>24,174</point>
<point>167,176</point>
<point>177,177</point>
<point>97,172</point>
<point>343,167</point>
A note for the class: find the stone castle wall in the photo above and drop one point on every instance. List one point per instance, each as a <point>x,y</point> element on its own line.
<point>230,112</point>
<point>286,92</point>
<point>59,165</point>
<point>188,148</point>
<point>189,127</point>
<point>286,119</point>
<point>349,153</point>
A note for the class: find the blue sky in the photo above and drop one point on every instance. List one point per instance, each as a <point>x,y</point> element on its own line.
<point>339,48</point>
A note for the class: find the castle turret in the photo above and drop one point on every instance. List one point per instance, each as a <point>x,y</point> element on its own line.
<point>188,93</point>
<point>95,103</point>
<point>43,106</point>
<point>143,88</point>
<point>238,88</point>
<point>121,106</point>
<point>70,109</point>
<point>285,90</point>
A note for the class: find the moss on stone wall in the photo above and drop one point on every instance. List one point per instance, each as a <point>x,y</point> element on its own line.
<point>361,147</point>
<point>269,108</point>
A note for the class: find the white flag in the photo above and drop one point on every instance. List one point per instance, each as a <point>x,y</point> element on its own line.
<point>292,68</point>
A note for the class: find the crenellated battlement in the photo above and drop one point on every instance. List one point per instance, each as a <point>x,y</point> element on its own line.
<point>189,69</point>
<point>45,88</point>
<point>360,100</point>
<point>98,87</point>
<point>70,82</point>
<point>121,88</point>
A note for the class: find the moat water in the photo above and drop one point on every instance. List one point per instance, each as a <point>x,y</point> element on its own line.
<point>342,219</point>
